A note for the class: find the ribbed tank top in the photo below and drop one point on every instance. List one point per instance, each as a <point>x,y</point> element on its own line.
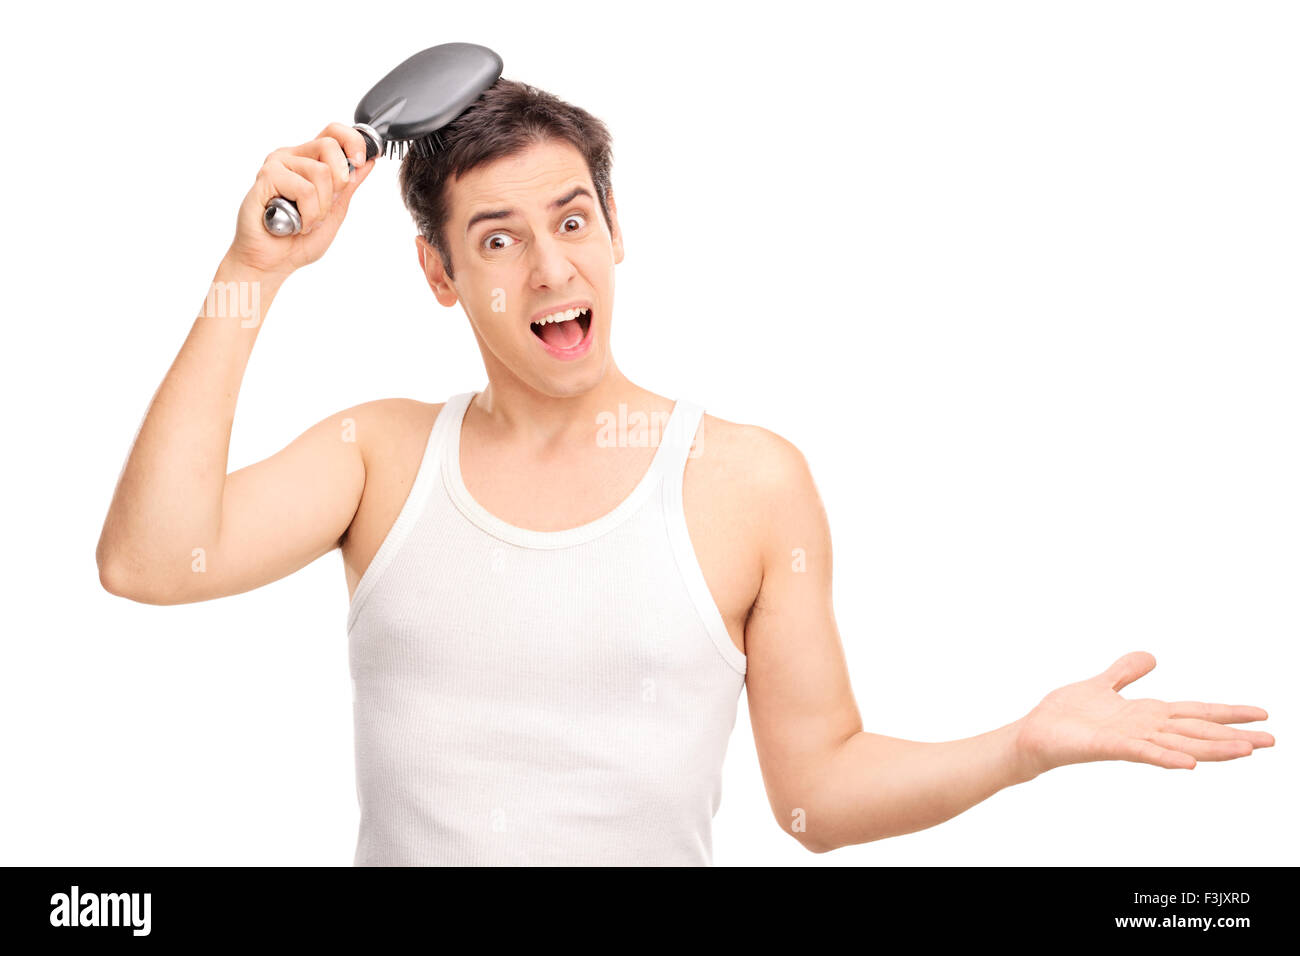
<point>531,697</point>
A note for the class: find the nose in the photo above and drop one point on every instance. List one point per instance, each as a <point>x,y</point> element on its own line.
<point>551,265</point>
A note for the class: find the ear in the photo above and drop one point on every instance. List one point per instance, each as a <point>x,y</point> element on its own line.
<point>616,234</point>
<point>431,265</point>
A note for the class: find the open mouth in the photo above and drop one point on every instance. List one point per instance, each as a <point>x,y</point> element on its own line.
<point>564,335</point>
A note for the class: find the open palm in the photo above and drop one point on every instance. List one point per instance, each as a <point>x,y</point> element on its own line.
<point>1089,720</point>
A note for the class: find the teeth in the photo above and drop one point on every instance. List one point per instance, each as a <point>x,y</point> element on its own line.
<point>559,316</point>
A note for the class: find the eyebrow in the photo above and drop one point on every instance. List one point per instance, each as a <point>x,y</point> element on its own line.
<point>506,213</point>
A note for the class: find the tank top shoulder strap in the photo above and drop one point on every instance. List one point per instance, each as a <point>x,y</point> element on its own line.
<point>679,439</point>
<point>422,486</point>
<point>446,425</point>
<point>682,444</point>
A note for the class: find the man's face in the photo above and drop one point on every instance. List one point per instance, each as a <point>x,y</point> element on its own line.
<point>527,238</point>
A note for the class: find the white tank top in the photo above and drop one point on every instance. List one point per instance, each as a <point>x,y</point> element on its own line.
<point>540,697</point>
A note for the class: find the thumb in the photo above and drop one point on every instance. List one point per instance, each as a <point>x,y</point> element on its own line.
<point>1127,669</point>
<point>357,177</point>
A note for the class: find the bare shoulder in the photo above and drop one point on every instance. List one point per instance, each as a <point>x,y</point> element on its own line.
<point>762,483</point>
<point>387,429</point>
<point>740,482</point>
<point>751,461</point>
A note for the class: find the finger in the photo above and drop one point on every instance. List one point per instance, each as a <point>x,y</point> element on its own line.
<point>279,180</point>
<point>1127,669</point>
<point>330,152</point>
<point>358,176</point>
<point>1204,749</point>
<point>1219,713</point>
<point>349,139</point>
<point>1208,730</point>
<point>322,181</point>
<point>1145,751</point>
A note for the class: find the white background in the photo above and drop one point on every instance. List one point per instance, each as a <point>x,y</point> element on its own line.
<point>1019,279</point>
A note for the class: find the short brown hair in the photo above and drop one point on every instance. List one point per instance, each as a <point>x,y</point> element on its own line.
<point>507,119</point>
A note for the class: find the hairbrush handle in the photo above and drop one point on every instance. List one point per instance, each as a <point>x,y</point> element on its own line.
<point>281,217</point>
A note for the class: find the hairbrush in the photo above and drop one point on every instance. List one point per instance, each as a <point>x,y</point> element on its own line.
<point>405,110</point>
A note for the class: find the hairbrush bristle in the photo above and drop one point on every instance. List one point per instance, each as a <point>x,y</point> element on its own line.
<point>425,147</point>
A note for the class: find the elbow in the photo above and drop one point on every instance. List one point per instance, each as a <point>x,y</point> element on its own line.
<point>114,579</point>
<point>112,575</point>
<point>816,846</point>
<point>812,838</point>
<point>117,578</point>
<point>809,843</point>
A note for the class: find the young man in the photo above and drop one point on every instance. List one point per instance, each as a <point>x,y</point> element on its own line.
<point>561,582</point>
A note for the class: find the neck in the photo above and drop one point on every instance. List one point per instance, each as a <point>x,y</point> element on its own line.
<point>514,412</point>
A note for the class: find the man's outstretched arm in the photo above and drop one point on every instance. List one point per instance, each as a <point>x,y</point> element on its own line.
<point>831,784</point>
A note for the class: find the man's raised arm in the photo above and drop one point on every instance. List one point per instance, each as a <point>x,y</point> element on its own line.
<point>178,528</point>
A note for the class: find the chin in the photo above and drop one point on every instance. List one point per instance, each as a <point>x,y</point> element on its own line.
<point>572,382</point>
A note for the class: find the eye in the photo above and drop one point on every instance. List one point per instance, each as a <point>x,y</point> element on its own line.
<point>495,235</point>
<point>567,219</point>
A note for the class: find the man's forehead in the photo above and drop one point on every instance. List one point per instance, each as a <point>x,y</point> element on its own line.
<point>537,178</point>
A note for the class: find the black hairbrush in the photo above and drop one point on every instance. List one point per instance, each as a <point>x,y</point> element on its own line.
<point>406,109</point>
